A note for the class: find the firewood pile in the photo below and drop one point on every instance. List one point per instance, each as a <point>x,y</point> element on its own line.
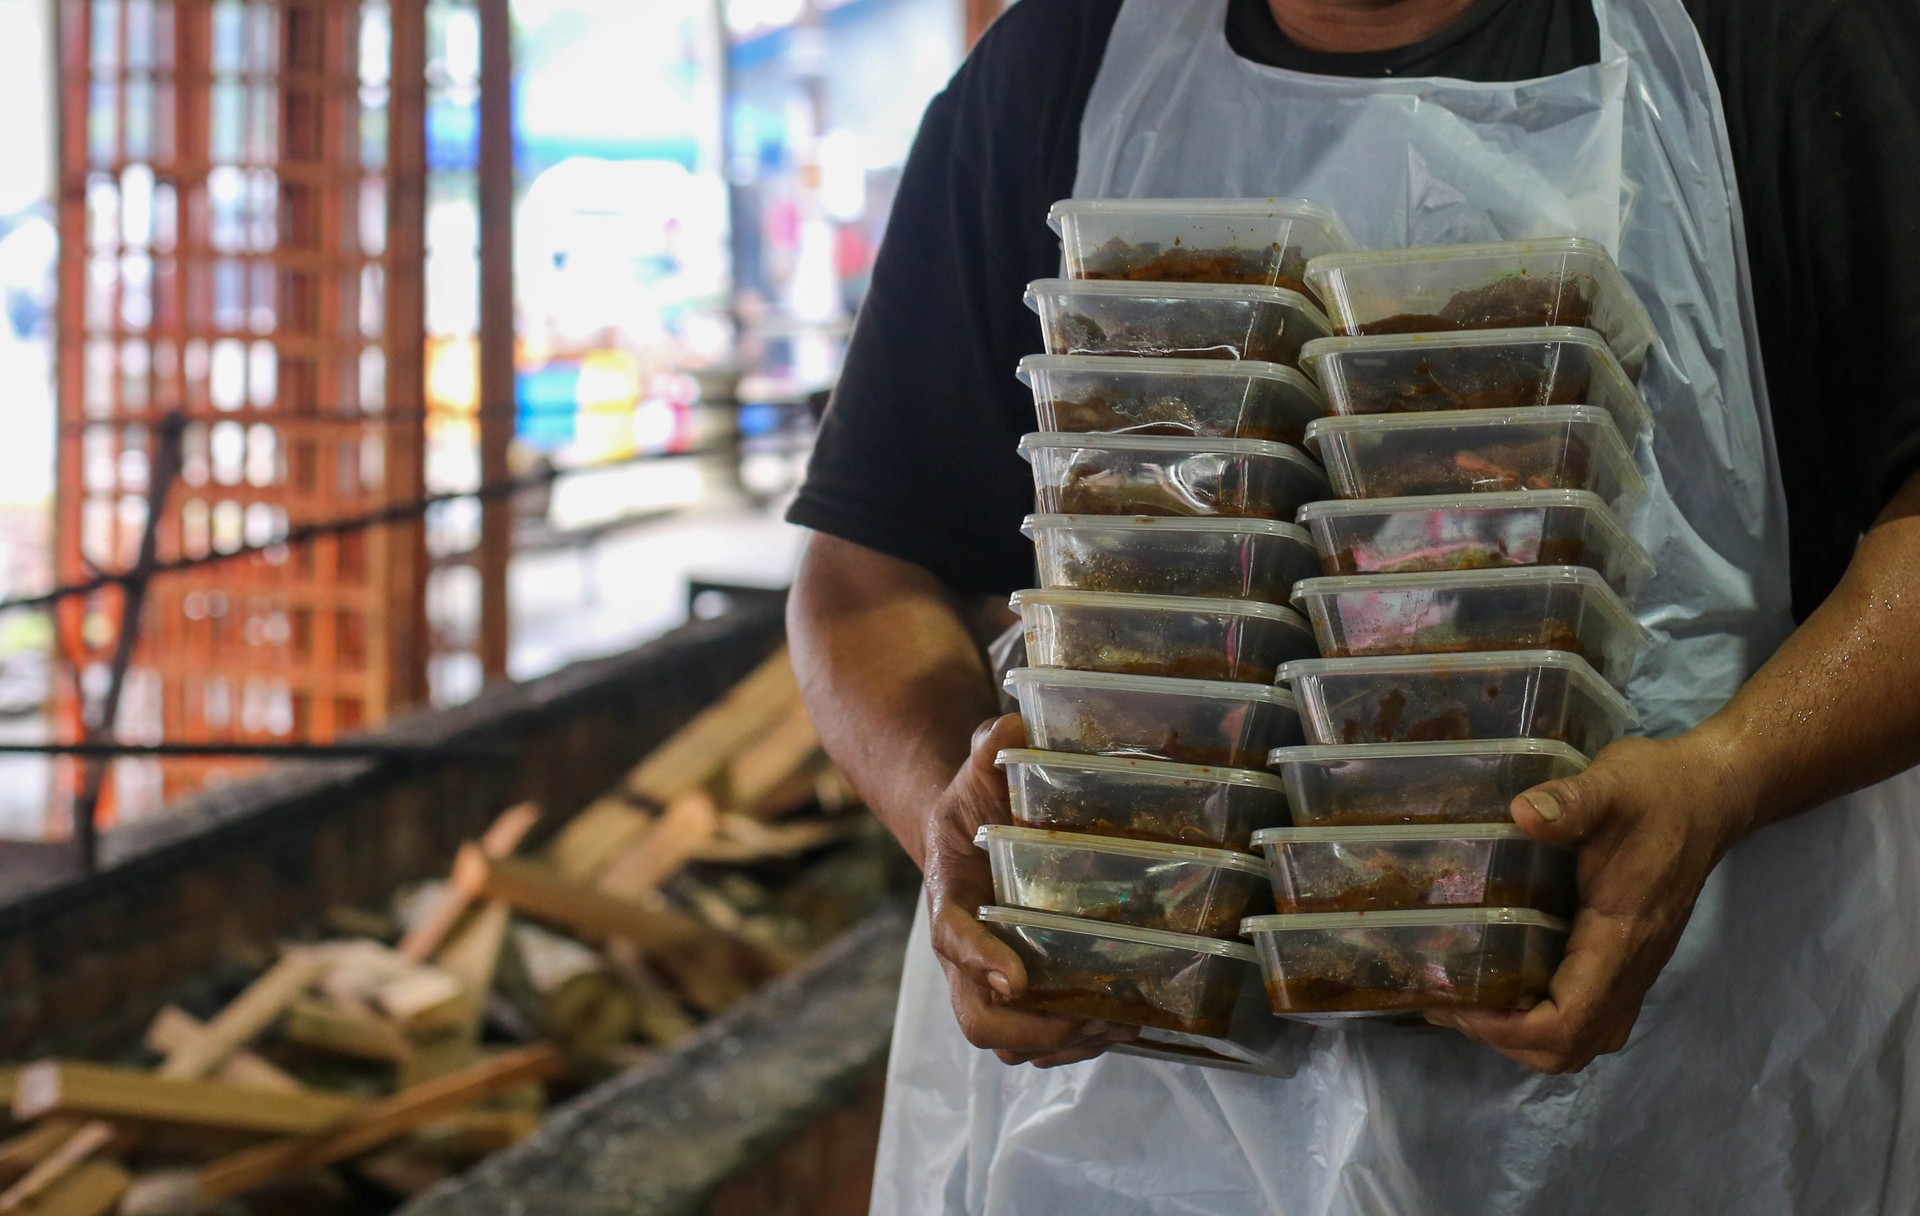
<point>361,1069</point>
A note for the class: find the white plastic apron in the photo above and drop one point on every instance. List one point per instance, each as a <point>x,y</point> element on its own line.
<point>1769,1071</point>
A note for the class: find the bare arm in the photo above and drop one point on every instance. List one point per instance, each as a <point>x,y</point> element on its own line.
<point>903,701</point>
<point>1835,709</point>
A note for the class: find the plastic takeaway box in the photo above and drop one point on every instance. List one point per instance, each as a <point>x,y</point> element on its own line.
<point>1395,867</point>
<point>1475,532</point>
<point>1348,964</point>
<point>1470,781</point>
<point>1175,320</point>
<point>1265,241</point>
<point>1161,635</point>
<point>1554,447</point>
<point>1177,888</point>
<point>1208,722</point>
<point>1206,398</point>
<point>1499,285</point>
<point>1169,475</point>
<point>1121,796</point>
<point>1542,608</point>
<point>1242,559</point>
<point>1495,369</point>
<point>1533,694</point>
<point>1123,974</point>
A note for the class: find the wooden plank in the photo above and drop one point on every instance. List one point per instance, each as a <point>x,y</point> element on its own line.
<point>424,1002</point>
<point>705,746</point>
<point>689,822</point>
<point>371,1126</point>
<point>744,840</point>
<point>500,840</point>
<point>32,1146</point>
<point>323,1026</point>
<point>540,892</point>
<point>91,1189</point>
<point>173,1026</point>
<point>66,1087</point>
<point>238,1024</point>
<point>497,373</point>
<point>592,839</point>
<point>772,759</point>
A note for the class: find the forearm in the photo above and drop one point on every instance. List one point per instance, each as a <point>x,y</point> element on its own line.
<point>1838,706</point>
<point>894,680</point>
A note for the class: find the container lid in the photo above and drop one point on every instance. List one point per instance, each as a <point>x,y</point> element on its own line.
<point>1578,670</point>
<point>1414,918</point>
<point>1633,406</point>
<point>1172,686</point>
<point>1159,603</point>
<point>1393,831</point>
<point>1144,289</point>
<point>1015,756</point>
<point>1614,536</point>
<point>1637,332</point>
<point>1212,369</point>
<point>1331,229</point>
<point>1588,581</point>
<point>1233,524</point>
<point>1331,753</point>
<point>1121,441</point>
<point>994,915</point>
<point>1226,859</point>
<point>1610,451</point>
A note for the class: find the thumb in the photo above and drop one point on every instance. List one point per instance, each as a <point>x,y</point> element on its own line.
<point>992,737</point>
<point>1566,811</point>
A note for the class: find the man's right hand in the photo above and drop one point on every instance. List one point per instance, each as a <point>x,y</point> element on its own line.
<point>982,971</point>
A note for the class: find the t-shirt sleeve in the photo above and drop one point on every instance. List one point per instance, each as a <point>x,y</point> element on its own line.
<point>917,453</point>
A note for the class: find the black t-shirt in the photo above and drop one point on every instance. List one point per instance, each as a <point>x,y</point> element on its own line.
<point>916,455</point>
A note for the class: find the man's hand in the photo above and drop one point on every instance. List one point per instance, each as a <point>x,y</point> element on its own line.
<point>982,971</point>
<point>1650,819</point>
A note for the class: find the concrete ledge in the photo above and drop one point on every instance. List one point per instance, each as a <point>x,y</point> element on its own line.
<point>688,1132</point>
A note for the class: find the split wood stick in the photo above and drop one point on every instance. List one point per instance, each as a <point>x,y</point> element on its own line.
<point>233,1028</point>
<point>371,1126</point>
<point>772,759</point>
<point>568,991</point>
<point>500,840</point>
<point>91,1189</point>
<point>424,1002</point>
<point>689,822</point>
<point>33,1146</point>
<point>173,1026</point>
<point>539,892</point>
<point>745,840</point>
<point>597,835</point>
<point>324,1026</point>
<point>657,1012</point>
<point>65,1087</point>
<point>705,746</point>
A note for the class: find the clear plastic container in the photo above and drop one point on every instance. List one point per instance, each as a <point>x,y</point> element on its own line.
<point>1161,635</point>
<point>1206,722</point>
<point>1475,532</point>
<point>1368,963</point>
<point>1474,781</point>
<point>1125,975</point>
<point>1168,475</point>
<point>1264,241</point>
<point>1242,559</point>
<point>1175,320</point>
<point>1175,888</point>
<point>1542,608</point>
<point>1193,804</point>
<point>1553,447</point>
<point>1495,369</point>
<point>1530,694</point>
<point>1204,398</point>
<point>1405,866</point>
<point>1500,285</point>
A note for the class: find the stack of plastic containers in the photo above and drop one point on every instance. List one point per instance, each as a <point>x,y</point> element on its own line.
<point>1166,472</point>
<point>1472,614</point>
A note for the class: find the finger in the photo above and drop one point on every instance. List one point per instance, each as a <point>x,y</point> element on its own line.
<point>1567,811</point>
<point>1023,1032</point>
<point>1073,1055</point>
<point>993,735</point>
<point>1582,1011</point>
<point>973,955</point>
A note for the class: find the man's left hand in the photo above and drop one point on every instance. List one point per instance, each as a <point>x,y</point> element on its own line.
<point>1649,820</point>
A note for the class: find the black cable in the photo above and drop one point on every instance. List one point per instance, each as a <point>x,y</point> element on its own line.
<point>396,513</point>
